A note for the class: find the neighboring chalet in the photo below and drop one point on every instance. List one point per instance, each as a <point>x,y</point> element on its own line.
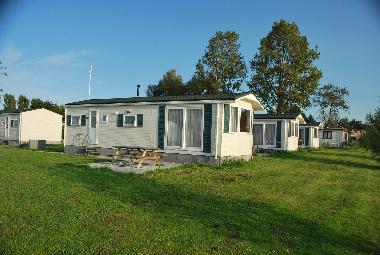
<point>333,137</point>
<point>308,136</point>
<point>277,132</point>
<point>198,128</point>
<point>19,127</point>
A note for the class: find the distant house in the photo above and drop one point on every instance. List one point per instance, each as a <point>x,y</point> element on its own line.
<point>19,127</point>
<point>277,132</point>
<point>187,128</point>
<point>333,137</point>
<point>308,135</point>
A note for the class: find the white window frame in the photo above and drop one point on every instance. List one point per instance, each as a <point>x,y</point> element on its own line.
<point>14,121</point>
<point>238,118</point>
<point>105,121</point>
<point>184,112</point>
<point>264,145</point>
<point>72,118</point>
<point>129,125</point>
<point>250,120</point>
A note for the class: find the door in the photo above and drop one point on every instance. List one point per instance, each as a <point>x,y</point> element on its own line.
<point>6,128</point>
<point>301,137</point>
<point>93,126</point>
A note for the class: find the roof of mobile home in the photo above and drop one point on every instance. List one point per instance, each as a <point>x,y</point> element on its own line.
<point>161,99</point>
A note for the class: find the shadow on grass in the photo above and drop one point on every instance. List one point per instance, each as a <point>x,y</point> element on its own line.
<point>261,224</point>
<point>323,158</point>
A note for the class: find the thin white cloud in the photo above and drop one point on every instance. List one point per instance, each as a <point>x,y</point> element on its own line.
<point>67,59</point>
<point>12,55</point>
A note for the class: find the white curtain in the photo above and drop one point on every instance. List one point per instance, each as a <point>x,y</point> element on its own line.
<point>234,119</point>
<point>193,135</point>
<point>175,126</point>
<point>270,134</point>
<point>258,134</point>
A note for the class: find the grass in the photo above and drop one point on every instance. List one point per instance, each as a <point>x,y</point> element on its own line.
<point>320,202</point>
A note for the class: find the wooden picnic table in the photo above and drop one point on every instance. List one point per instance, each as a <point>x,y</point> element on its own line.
<point>146,153</point>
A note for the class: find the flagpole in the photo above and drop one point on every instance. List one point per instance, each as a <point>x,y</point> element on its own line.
<point>89,82</point>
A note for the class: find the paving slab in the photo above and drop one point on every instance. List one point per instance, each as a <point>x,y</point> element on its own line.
<point>132,168</point>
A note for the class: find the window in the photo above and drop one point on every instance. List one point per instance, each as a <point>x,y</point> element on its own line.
<point>75,120</point>
<point>245,121</point>
<point>315,132</point>
<point>104,118</point>
<point>327,135</point>
<point>184,128</point>
<point>289,129</point>
<point>234,119</point>
<point>270,134</point>
<point>175,127</point>
<point>130,121</point>
<point>293,129</point>
<point>258,134</point>
<point>296,129</point>
<point>14,123</point>
<point>193,128</point>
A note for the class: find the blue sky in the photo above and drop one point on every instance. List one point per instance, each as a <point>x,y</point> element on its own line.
<point>48,46</point>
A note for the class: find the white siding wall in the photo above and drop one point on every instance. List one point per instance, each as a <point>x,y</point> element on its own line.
<point>41,124</point>
<point>13,131</point>
<point>239,143</point>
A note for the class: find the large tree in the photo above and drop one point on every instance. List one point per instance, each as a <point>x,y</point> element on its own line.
<point>171,84</point>
<point>372,134</point>
<point>222,68</point>
<point>23,103</point>
<point>9,103</point>
<point>331,99</point>
<point>284,74</point>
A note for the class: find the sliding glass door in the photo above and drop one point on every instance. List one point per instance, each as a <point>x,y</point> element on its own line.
<point>184,128</point>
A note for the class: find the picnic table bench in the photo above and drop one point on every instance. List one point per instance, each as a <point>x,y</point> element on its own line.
<point>141,153</point>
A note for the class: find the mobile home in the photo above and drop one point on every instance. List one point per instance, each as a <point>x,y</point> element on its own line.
<point>203,128</point>
<point>308,136</point>
<point>18,127</point>
<point>277,132</point>
<point>333,137</point>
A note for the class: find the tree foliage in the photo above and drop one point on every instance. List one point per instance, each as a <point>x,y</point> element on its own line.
<point>37,103</point>
<point>23,103</point>
<point>372,134</point>
<point>222,68</point>
<point>171,84</point>
<point>331,99</point>
<point>284,75</point>
<point>9,103</point>
<point>3,69</point>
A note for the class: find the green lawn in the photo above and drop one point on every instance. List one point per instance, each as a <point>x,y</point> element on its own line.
<point>321,202</point>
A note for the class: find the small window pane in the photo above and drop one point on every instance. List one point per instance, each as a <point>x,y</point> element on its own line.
<point>104,118</point>
<point>75,120</point>
<point>315,132</point>
<point>297,129</point>
<point>234,119</point>
<point>129,120</point>
<point>289,129</point>
<point>245,121</point>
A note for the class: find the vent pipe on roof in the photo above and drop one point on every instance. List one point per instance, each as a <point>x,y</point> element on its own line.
<point>138,90</point>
